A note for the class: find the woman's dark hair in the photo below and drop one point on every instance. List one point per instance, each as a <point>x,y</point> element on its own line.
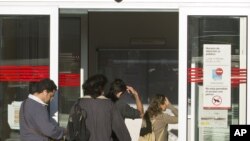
<point>46,84</point>
<point>115,87</point>
<point>94,85</point>
<point>154,107</point>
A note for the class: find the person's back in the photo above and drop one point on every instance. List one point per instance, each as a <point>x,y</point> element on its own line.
<point>102,116</point>
<point>102,119</point>
<point>158,119</point>
<point>117,89</point>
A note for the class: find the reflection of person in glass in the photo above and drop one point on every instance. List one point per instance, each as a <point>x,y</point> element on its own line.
<point>159,119</point>
<point>35,124</point>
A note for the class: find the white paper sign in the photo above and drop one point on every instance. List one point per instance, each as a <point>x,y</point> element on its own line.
<point>13,114</point>
<point>211,117</point>
<point>217,76</point>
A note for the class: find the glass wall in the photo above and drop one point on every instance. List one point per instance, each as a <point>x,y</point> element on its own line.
<point>24,58</point>
<point>216,74</point>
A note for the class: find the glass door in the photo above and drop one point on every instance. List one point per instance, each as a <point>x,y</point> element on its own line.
<point>216,71</point>
<point>73,55</point>
<point>28,41</point>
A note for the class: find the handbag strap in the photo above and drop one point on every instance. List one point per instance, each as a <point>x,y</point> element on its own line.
<point>152,124</point>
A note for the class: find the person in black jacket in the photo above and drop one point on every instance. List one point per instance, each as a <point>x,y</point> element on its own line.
<point>117,89</point>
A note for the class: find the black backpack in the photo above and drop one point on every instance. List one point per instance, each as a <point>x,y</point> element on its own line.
<point>77,130</point>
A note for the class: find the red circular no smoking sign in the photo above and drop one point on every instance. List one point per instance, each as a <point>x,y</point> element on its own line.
<point>219,71</point>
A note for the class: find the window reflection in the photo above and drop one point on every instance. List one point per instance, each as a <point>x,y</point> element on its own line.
<point>149,71</point>
<point>24,58</point>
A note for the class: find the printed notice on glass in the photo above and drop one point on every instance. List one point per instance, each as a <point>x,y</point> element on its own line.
<point>217,76</point>
<point>211,117</point>
<point>13,114</point>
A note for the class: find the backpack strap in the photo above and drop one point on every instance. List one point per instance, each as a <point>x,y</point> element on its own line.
<point>78,107</point>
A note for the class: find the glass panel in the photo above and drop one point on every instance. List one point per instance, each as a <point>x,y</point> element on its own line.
<point>24,58</point>
<point>149,71</point>
<point>69,65</point>
<point>221,31</point>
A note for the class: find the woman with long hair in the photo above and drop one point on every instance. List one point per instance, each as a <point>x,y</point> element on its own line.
<point>158,120</point>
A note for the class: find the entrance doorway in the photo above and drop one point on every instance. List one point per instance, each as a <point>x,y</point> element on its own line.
<point>139,47</point>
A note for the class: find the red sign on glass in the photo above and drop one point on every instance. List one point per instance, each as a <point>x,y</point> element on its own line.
<point>23,73</point>
<point>238,75</point>
<point>69,79</point>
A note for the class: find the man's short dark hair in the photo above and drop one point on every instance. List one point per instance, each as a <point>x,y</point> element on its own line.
<point>46,84</point>
<point>33,87</point>
<point>118,85</point>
